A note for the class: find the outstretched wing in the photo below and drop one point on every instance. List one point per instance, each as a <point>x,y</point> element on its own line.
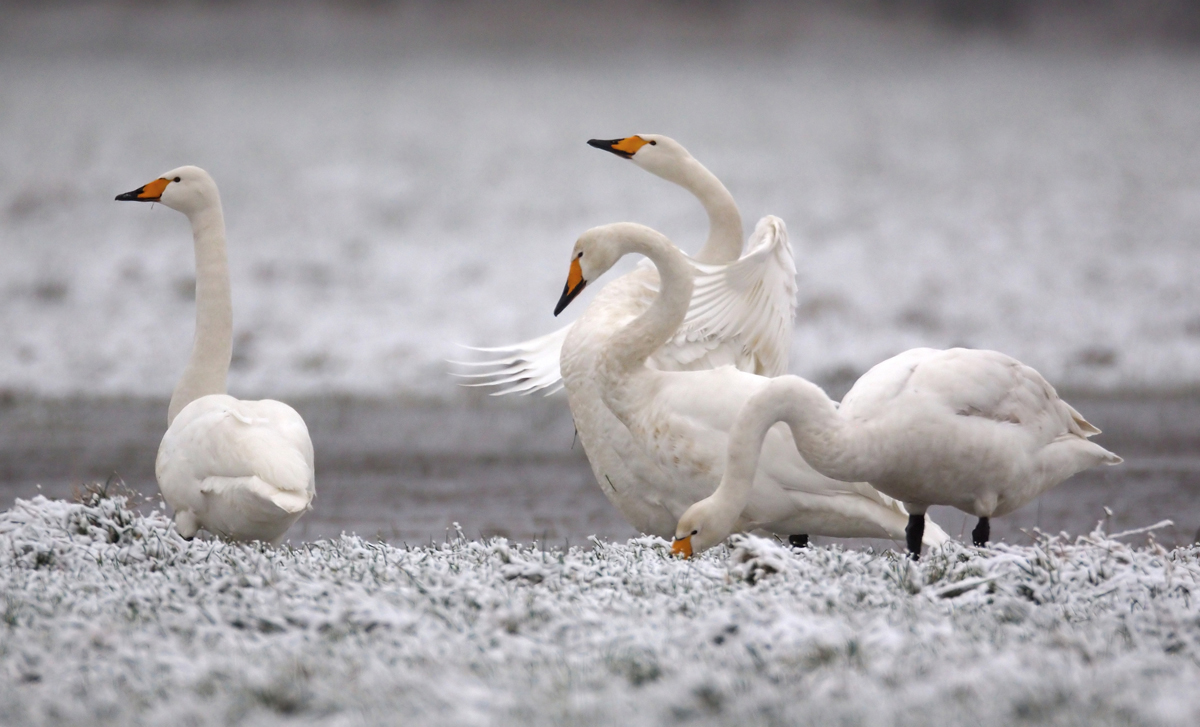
<point>741,314</point>
<point>750,303</point>
<point>523,368</point>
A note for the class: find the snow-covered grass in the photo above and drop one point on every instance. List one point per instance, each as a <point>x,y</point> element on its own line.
<point>109,617</point>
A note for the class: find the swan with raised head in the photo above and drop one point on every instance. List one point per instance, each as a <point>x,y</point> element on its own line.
<point>743,317</point>
<point>681,419</point>
<point>242,470</point>
<point>976,430</point>
<point>741,314</point>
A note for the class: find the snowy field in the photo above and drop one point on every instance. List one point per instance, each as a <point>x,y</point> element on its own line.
<point>400,181</point>
<point>111,618</point>
<point>402,178</point>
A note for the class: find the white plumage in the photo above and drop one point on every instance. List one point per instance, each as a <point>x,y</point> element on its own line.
<point>976,430</point>
<point>242,470</point>
<point>680,421</point>
<point>741,315</point>
<point>239,469</point>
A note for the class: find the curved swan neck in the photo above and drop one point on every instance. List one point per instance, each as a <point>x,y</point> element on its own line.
<point>629,347</point>
<point>212,347</point>
<point>724,244</point>
<point>819,432</point>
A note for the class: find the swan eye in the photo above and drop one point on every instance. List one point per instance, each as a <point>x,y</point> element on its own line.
<point>696,532</point>
<point>653,143</point>
<point>177,179</point>
<point>580,255</point>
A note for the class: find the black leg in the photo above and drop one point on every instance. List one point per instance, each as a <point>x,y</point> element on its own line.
<point>915,532</point>
<point>981,533</point>
<point>798,541</point>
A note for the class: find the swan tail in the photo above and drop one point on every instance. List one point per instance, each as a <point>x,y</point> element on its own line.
<point>1070,454</point>
<point>292,502</point>
<point>523,368</point>
<point>1086,428</point>
<point>1107,457</point>
<point>253,497</point>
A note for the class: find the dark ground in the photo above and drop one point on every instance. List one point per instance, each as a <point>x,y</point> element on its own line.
<point>407,472</point>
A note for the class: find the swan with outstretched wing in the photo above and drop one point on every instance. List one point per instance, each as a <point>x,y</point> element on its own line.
<point>680,421</point>
<point>741,315</point>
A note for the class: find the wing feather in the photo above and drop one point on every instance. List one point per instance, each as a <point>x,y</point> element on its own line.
<point>741,314</point>
<point>523,368</point>
<point>751,302</point>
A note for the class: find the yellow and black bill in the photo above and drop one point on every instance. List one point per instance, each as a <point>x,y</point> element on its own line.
<point>575,285</point>
<point>625,148</point>
<point>147,193</point>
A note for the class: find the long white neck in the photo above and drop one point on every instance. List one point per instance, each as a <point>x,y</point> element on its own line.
<point>724,244</point>
<point>212,348</point>
<point>628,348</point>
<point>821,435</point>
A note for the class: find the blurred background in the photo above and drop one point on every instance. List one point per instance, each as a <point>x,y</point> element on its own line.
<point>400,178</point>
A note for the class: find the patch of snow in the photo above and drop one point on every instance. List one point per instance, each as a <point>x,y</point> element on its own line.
<point>109,617</point>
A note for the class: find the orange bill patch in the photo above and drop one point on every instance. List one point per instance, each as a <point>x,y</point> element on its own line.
<point>575,276</point>
<point>630,145</point>
<point>682,546</point>
<point>154,189</point>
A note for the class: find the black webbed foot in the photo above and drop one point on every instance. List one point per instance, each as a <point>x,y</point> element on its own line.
<point>798,541</point>
<point>914,533</point>
<point>981,533</point>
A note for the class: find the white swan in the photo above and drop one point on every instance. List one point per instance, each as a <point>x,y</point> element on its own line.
<point>239,469</point>
<point>681,419</point>
<point>977,430</point>
<point>741,314</point>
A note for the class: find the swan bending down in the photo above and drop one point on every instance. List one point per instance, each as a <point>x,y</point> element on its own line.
<point>977,430</point>
<point>681,419</point>
<point>239,469</point>
<point>741,314</point>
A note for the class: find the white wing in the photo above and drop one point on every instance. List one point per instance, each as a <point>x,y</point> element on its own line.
<point>741,314</point>
<point>750,303</point>
<point>524,368</point>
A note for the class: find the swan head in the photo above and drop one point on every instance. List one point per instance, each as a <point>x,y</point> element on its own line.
<point>186,189</point>
<point>699,529</point>
<point>595,252</point>
<point>657,154</point>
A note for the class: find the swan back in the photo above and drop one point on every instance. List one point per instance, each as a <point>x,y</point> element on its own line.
<point>975,429</point>
<point>242,468</point>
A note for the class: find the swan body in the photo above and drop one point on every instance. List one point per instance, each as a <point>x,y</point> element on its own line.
<point>646,495</point>
<point>680,420</point>
<point>239,469</point>
<point>972,429</point>
<point>741,314</point>
<point>242,470</point>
